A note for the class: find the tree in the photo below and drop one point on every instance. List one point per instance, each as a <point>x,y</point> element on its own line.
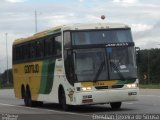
<point>149,66</point>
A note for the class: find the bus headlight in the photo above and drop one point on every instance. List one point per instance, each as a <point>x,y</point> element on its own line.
<point>134,85</point>
<point>86,88</point>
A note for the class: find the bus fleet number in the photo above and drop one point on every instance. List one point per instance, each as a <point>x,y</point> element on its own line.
<point>31,68</point>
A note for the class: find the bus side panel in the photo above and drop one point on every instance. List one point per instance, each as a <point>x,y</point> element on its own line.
<point>27,74</point>
<point>18,79</point>
<point>58,79</point>
<point>47,76</point>
<point>51,78</point>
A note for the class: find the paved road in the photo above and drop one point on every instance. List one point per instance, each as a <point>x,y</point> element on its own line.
<point>149,103</point>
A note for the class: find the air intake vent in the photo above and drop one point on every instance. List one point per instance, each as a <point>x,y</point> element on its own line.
<point>117,86</point>
<point>101,87</point>
<point>108,87</point>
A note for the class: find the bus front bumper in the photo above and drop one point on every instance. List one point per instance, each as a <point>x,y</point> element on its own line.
<point>105,96</point>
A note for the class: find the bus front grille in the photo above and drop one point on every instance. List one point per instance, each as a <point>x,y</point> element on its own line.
<point>101,87</point>
<point>108,87</point>
<point>117,86</point>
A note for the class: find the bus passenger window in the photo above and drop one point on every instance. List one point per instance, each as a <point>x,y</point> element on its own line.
<point>33,50</point>
<point>39,49</point>
<point>67,40</point>
<point>49,46</point>
<point>26,51</point>
<point>58,42</point>
<point>19,53</point>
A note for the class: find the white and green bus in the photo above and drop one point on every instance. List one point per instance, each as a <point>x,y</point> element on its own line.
<point>77,64</point>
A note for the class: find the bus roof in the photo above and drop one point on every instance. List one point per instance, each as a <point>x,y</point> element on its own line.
<point>78,26</point>
<point>81,26</point>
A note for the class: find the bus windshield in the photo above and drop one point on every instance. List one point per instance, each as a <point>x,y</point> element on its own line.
<point>105,64</point>
<point>101,36</point>
<point>87,64</point>
<point>121,62</point>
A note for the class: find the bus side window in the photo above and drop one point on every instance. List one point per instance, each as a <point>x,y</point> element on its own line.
<point>48,46</point>
<point>58,44</point>
<point>25,52</point>
<point>53,45</point>
<point>24,55</point>
<point>18,51</point>
<point>39,49</point>
<point>67,40</point>
<point>14,54</point>
<point>33,50</point>
<point>28,51</point>
<point>69,67</point>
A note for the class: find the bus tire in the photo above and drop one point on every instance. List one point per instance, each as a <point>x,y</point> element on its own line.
<point>27,99</point>
<point>116,105</point>
<point>22,91</point>
<point>62,100</point>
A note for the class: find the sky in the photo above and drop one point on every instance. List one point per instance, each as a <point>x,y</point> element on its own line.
<point>17,19</point>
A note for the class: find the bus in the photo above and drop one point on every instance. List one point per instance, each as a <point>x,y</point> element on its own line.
<point>77,64</point>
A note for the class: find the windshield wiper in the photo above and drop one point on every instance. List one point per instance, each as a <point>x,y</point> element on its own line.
<point>99,71</point>
<point>117,70</point>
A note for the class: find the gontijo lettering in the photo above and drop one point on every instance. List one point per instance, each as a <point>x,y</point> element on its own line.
<point>31,68</point>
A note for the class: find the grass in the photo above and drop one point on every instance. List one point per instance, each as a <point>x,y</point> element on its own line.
<point>150,86</point>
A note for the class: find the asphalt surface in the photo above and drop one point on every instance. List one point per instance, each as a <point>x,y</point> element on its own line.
<point>149,103</point>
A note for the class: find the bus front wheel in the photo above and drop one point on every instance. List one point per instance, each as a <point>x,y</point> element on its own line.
<point>62,100</point>
<point>116,105</point>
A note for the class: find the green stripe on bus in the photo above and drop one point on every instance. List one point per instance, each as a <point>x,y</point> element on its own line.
<point>47,76</point>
